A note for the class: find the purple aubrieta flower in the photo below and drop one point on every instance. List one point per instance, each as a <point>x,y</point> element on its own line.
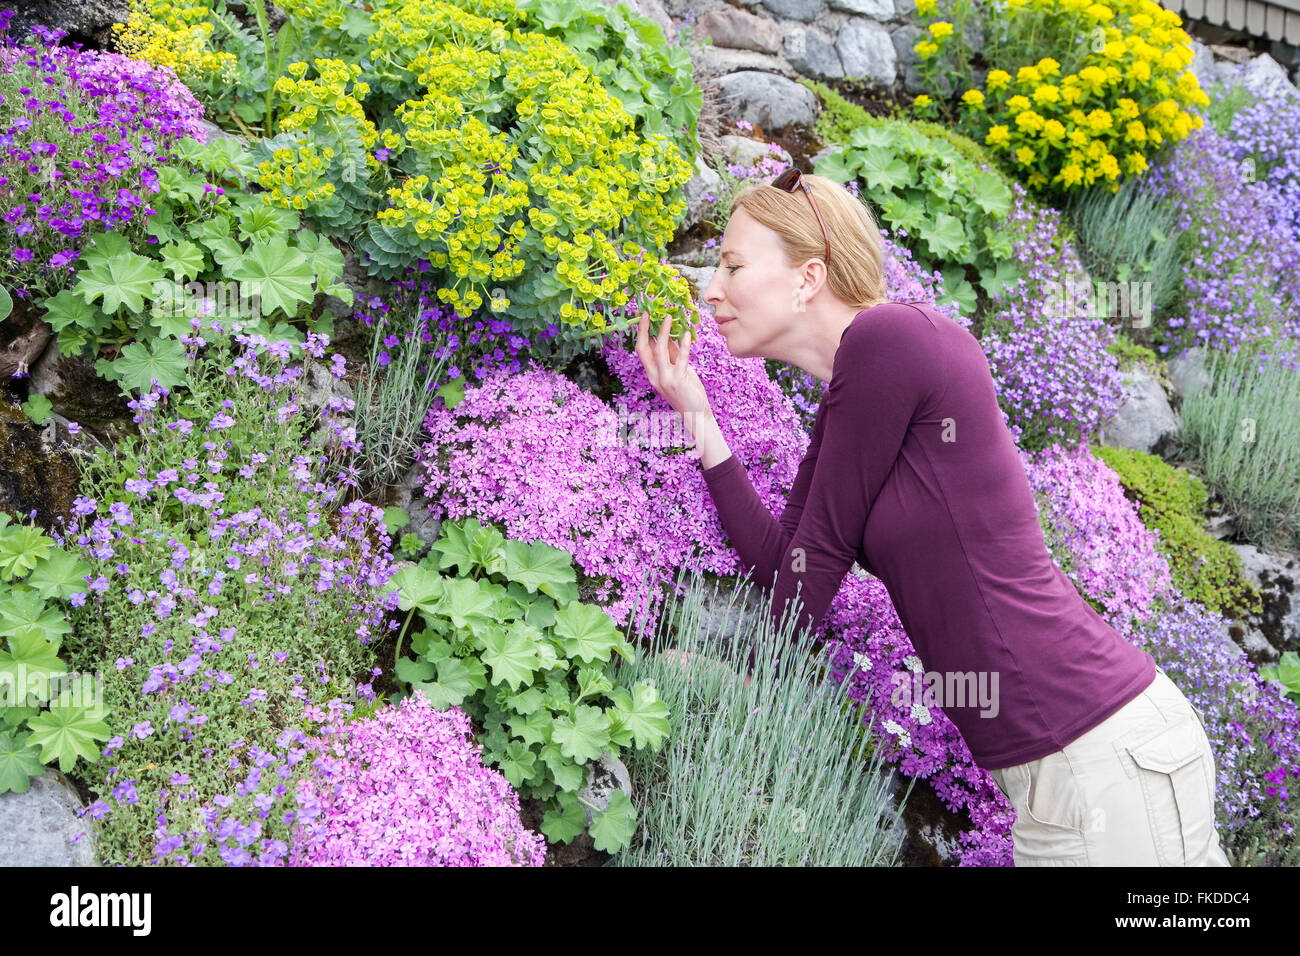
<point>142,730</point>
<point>219,421</point>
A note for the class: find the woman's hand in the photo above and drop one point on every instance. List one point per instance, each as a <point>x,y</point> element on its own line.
<point>667,366</point>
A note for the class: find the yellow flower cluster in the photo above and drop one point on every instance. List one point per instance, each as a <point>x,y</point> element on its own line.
<point>592,177</point>
<point>298,179</point>
<point>176,35</point>
<point>1127,96</point>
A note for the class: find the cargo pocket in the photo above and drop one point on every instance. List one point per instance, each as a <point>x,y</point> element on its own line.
<point>1049,817</point>
<point>1175,788</point>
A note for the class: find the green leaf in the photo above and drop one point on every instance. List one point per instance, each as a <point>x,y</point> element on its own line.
<point>585,737</point>
<point>395,519</point>
<point>15,717</point>
<point>139,367</point>
<point>183,259</point>
<point>537,564</point>
<point>512,655</point>
<point>612,829</point>
<point>22,547</point>
<point>20,761</point>
<point>69,309</point>
<point>418,587</point>
<point>116,275</point>
<point>324,258</point>
<point>565,821</point>
<point>991,194</point>
<point>38,408</point>
<point>414,672</point>
<point>60,575</point>
<point>946,235</point>
<point>280,275</point>
<point>526,702</point>
<point>6,303</point>
<point>536,728</point>
<point>640,715</point>
<point>66,733</point>
<point>568,773</point>
<point>588,633</point>
<point>453,393</point>
<point>456,681</point>
<point>467,603</point>
<point>33,656</point>
<point>518,763</point>
<point>881,169</point>
<point>23,612</point>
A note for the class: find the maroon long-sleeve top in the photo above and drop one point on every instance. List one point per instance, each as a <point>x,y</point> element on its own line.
<point>911,471</point>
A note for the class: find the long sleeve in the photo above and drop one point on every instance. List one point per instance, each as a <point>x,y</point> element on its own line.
<point>883,373</point>
<point>760,541</point>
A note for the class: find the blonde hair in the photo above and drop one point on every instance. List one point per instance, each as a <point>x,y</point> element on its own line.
<point>856,270</point>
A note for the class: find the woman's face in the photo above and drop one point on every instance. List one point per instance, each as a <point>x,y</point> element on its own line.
<point>754,295</point>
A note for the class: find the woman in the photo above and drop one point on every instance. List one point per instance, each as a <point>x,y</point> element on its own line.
<point>912,472</point>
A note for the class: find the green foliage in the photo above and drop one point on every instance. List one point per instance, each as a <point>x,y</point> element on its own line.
<point>778,772</point>
<point>290,630</point>
<point>46,713</point>
<point>1129,236</point>
<point>38,408</point>
<point>653,79</point>
<point>1244,431</point>
<point>505,637</point>
<point>929,188</point>
<point>1172,503</point>
<point>1071,93</point>
<point>394,399</point>
<point>1286,673</point>
<point>222,256</point>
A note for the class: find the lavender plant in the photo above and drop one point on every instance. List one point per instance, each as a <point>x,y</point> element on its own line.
<point>761,774</point>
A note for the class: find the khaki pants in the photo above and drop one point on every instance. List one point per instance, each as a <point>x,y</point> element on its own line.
<point>1136,790</point>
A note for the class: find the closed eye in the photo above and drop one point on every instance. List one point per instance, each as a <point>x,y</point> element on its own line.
<point>732,269</point>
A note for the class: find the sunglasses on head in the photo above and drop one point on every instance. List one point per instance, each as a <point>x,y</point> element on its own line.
<point>787,182</point>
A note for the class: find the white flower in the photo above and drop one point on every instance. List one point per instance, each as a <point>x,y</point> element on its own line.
<point>861,661</point>
<point>892,727</point>
<point>904,740</point>
<point>921,714</point>
<point>912,663</point>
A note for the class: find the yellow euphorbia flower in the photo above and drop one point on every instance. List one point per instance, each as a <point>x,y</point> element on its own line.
<point>940,30</point>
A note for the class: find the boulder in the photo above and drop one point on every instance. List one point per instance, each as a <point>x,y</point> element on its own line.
<point>701,192</point>
<point>1188,373</point>
<point>768,100</point>
<point>803,10</point>
<point>1144,417</point>
<point>41,827</point>
<point>1277,628</point>
<point>876,9</point>
<point>812,53</point>
<point>749,153</point>
<point>1264,76</point>
<point>604,776</point>
<point>867,52</point>
<point>88,21</point>
<point>740,30</point>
